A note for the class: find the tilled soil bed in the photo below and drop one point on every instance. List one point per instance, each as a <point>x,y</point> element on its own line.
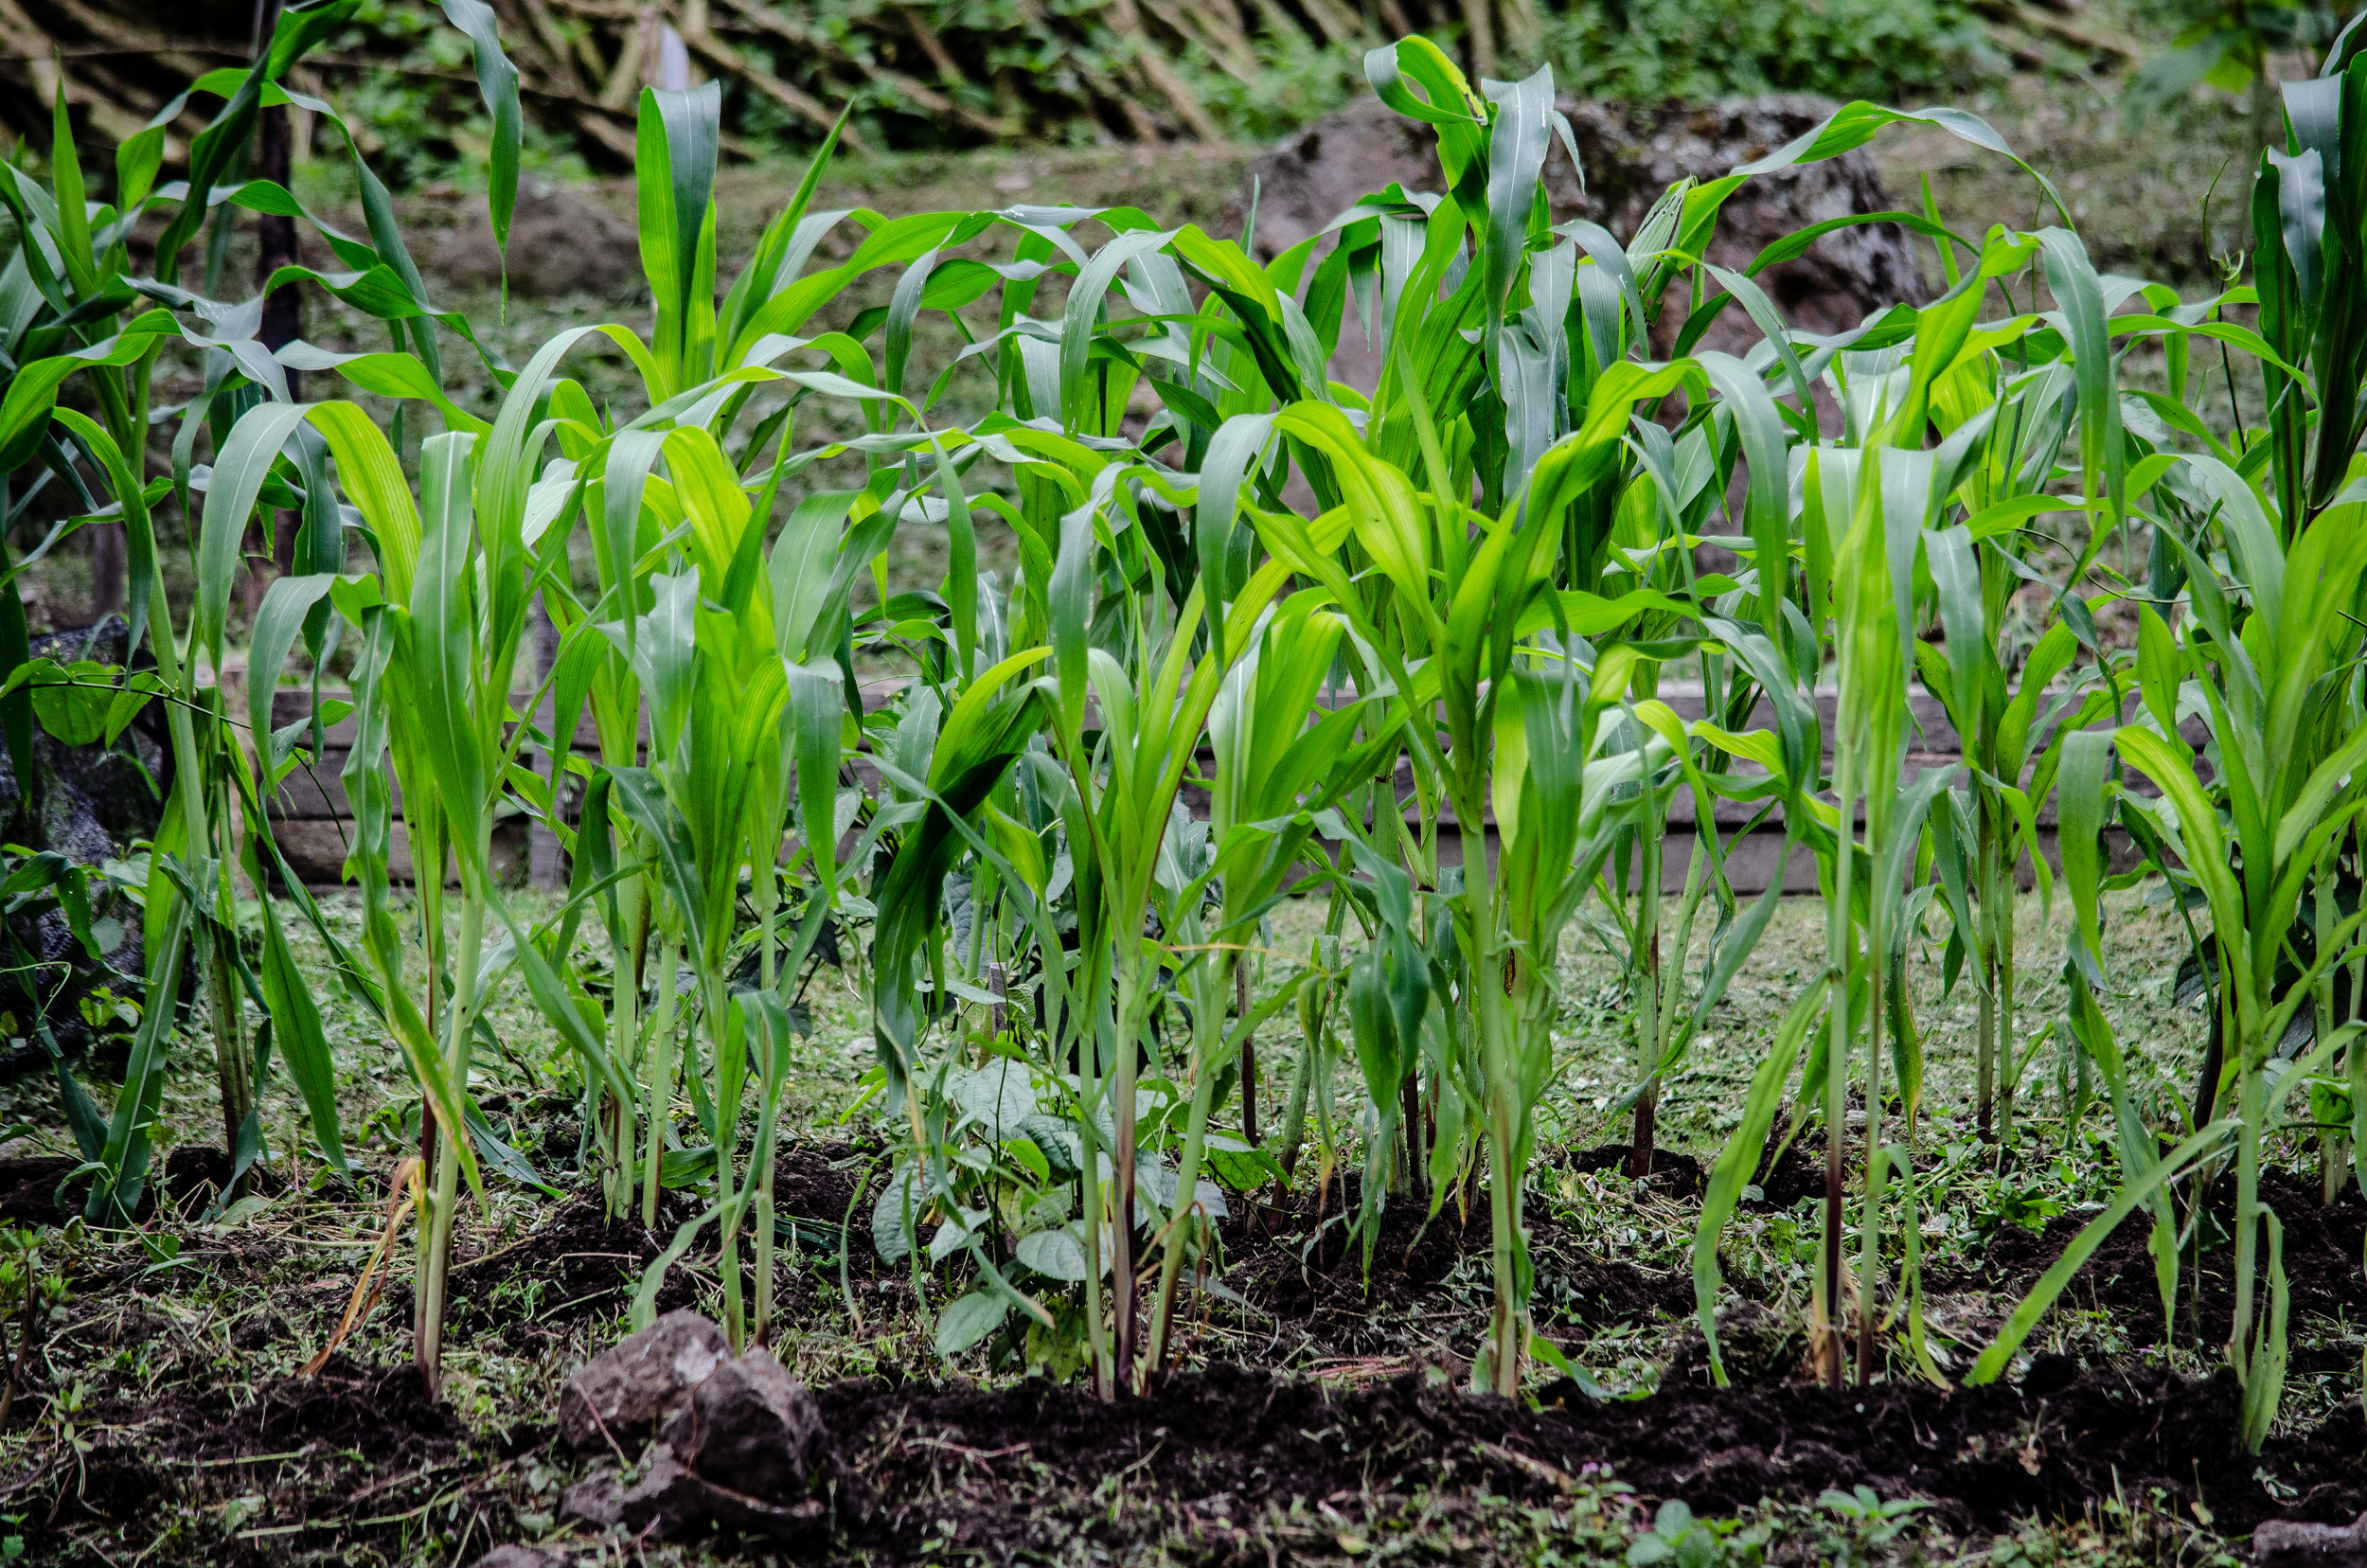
<point>1220,1454</point>
<point>1223,1465</point>
<point>1234,1465</point>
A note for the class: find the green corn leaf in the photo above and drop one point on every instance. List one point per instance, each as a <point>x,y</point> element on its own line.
<point>2079,799</point>
<point>65,177</point>
<point>124,1158</point>
<point>296,1024</point>
<point>1516,144</point>
<point>642,798</point>
<point>800,571</point>
<point>139,538</point>
<point>1998,1354</point>
<point>300,27</point>
<point>674,156</point>
<point>961,568</point>
<point>1739,1159</point>
<point>497,79</point>
<point>1080,400</point>
<point>2102,455</point>
<point>277,623</point>
<point>242,465</point>
<point>1760,425</point>
<point>781,250</point>
<point>444,628</point>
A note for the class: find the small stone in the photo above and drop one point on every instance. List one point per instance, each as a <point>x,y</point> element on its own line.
<point>520,1557</point>
<point>598,1499</point>
<point>2285,1543</point>
<point>667,1498</point>
<point>628,1389</point>
<point>753,1428</point>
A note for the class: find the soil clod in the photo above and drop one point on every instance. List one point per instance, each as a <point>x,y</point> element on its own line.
<point>621,1395</point>
<point>745,1447</point>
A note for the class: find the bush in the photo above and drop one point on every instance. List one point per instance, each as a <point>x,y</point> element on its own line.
<point>1693,51</point>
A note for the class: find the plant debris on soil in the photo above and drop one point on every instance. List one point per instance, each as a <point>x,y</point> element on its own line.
<point>169,1411</point>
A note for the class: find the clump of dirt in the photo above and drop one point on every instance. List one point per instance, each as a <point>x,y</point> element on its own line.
<point>2322,1252</point>
<point>560,242</point>
<point>1794,1173</point>
<point>192,1177</point>
<point>815,1185</point>
<point>1015,1471</point>
<point>1758,1346</point>
<point>576,1266</point>
<point>1676,1175</point>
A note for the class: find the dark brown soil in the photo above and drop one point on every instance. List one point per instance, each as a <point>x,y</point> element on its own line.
<point>194,1175</point>
<point>1015,1471</point>
<point>28,1188</point>
<point>813,1185</point>
<point>1676,1175</point>
<point>578,1265</point>
<point>2322,1264</point>
<point>1428,1283</point>
<point>1797,1173</point>
<point>1228,1458</point>
<point>189,1179</point>
<point>335,1456</point>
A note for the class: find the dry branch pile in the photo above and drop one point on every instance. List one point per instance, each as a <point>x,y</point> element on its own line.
<point>918,73</point>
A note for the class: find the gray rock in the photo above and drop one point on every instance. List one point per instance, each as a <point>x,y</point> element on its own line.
<point>671,1500</point>
<point>746,1448</point>
<point>520,1557</point>
<point>1630,156</point>
<point>625,1390</point>
<point>801,1524</point>
<point>667,1498</point>
<point>2283,1543</point>
<point>598,1499</point>
<point>753,1428</point>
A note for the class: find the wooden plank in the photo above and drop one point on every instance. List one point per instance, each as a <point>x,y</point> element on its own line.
<point>312,806</point>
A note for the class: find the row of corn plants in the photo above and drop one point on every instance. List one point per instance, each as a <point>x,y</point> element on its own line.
<point>1473,606</point>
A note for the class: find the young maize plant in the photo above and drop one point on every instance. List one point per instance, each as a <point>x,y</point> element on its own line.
<point>1372,626</point>
<point>2260,642</point>
<point>63,298</point>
